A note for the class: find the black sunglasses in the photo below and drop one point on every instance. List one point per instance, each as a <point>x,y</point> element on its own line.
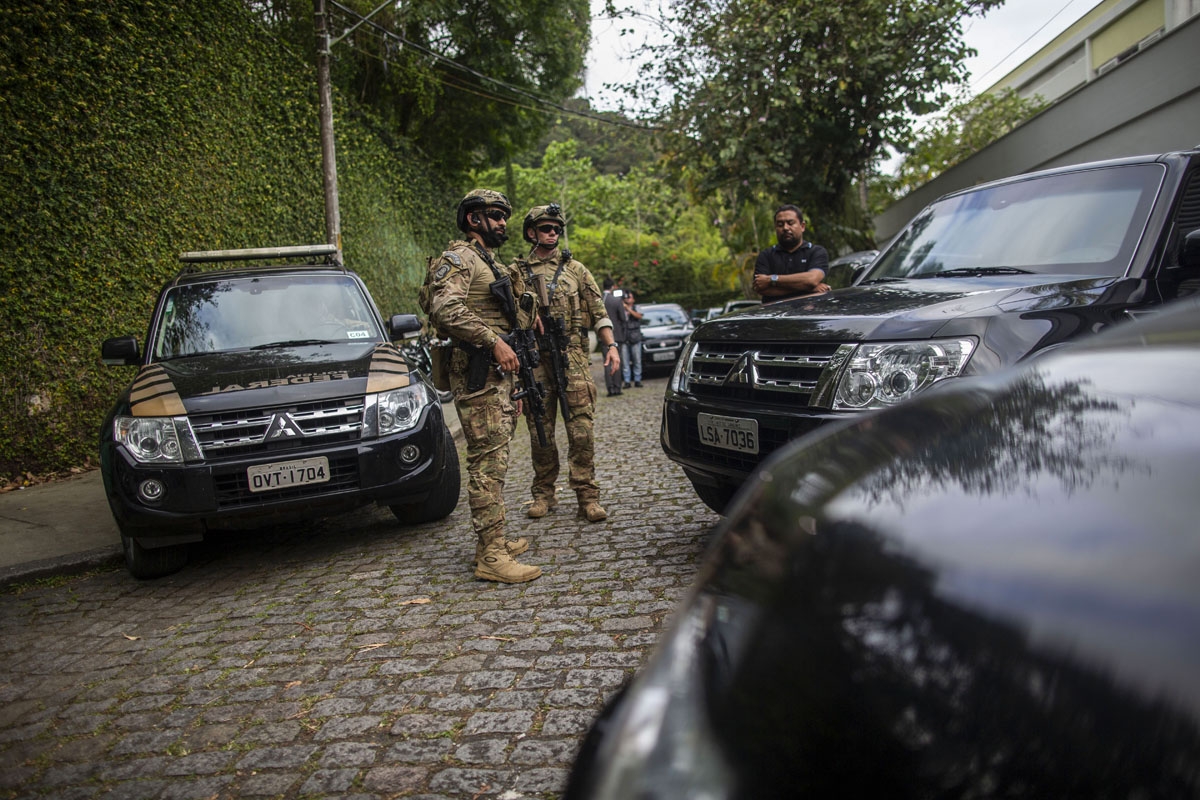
<point>550,229</point>
<point>495,215</point>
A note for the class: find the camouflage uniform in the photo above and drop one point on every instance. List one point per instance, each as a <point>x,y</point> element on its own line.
<point>575,299</point>
<point>462,307</point>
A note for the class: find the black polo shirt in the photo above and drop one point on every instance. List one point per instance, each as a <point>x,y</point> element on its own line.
<point>777,261</point>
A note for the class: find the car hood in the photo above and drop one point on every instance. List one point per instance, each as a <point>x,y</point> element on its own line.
<point>914,308</point>
<point>259,378</point>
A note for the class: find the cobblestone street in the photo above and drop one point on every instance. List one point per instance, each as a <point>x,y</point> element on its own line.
<point>354,657</point>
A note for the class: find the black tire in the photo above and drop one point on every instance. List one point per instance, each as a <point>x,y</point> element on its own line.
<point>715,497</point>
<point>443,499</point>
<point>152,562</point>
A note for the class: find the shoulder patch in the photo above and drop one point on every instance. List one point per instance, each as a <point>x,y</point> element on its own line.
<point>452,257</point>
<point>441,273</point>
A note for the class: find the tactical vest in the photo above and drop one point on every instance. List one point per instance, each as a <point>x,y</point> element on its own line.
<point>564,305</point>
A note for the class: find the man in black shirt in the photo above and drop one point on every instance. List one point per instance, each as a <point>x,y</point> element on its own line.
<point>793,267</point>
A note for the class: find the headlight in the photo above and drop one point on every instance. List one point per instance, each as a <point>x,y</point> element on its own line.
<point>678,381</point>
<point>155,440</point>
<point>881,375</point>
<point>400,409</point>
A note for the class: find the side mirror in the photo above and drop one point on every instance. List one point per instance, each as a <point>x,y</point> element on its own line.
<point>120,351</point>
<point>1189,253</point>
<point>401,324</point>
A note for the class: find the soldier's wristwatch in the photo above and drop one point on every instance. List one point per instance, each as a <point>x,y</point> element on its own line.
<point>774,279</point>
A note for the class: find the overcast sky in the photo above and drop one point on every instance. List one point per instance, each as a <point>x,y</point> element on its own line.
<point>1004,38</point>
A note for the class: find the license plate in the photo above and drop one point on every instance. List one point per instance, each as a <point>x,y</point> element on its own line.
<point>667,356</point>
<point>730,433</point>
<point>282,474</point>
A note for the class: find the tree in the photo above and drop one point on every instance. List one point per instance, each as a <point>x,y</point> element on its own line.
<point>470,82</point>
<point>794,100</point>
<point>966,128</point>
<point>635,226</point>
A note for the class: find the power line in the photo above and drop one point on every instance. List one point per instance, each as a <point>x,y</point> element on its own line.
<point>1041,28</point>
<point>388,34</point>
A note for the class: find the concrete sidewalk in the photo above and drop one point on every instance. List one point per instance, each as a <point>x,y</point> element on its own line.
<point>65,527</point>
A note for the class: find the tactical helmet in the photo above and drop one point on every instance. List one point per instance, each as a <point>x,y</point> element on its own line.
<point>477,199</point>
<point>552,212</point>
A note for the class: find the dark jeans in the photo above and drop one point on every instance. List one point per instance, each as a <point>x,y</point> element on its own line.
<point>631,361</point>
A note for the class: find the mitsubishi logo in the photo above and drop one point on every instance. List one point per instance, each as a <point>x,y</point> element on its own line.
<point>282,427</point>
<point>743,371</point>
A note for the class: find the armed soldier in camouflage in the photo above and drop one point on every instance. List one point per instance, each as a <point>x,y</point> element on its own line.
<point>465,301</point>
<point>572,299</point>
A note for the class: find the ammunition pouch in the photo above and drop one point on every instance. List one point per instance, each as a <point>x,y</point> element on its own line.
<point>501,289</point>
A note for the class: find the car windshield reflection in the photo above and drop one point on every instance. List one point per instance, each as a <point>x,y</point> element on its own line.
<point>1080,223</point>
<point>248,313</point>
<point>662,317</point>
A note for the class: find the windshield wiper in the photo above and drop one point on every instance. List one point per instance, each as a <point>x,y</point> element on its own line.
<point>292,343</point>
<point>882,280</point>
<point>972,271</point>
<point>179,356</point>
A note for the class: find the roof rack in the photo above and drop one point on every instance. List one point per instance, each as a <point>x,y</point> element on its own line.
<point>259,253</point>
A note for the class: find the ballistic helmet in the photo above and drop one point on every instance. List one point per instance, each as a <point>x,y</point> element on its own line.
<point>551,213</point>
<point>478,199</point>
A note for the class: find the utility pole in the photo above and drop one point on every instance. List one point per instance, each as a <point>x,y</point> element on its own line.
<point>333,220</point>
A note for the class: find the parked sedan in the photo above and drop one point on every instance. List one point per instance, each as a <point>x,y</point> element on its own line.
<point>992,590</point>
<point>665,329</point>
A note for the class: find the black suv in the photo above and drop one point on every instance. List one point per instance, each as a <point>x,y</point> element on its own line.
<point>980,279</point>
<point>268,394</point>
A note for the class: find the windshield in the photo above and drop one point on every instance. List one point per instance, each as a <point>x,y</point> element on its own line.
<point>263,311</point>
<point>661,316</point>
<point>1079,223</point>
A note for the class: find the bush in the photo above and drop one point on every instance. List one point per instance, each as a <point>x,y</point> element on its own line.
<point>133,132</point>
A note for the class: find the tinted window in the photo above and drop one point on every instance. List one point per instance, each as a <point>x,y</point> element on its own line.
<point>1082,223</point>
<point>241,313</point>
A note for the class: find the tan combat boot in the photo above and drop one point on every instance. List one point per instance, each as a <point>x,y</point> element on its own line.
<point>514,547</point>
<point>540,507</point>
<point>590,508</point>
<point>497,565</point>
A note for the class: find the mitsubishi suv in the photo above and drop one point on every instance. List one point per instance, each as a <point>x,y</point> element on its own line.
<point>266,394</point>
<point>981,279</point>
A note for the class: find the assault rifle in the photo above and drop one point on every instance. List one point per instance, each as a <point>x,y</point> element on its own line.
<point>554,331</point>
<point>524,344</point>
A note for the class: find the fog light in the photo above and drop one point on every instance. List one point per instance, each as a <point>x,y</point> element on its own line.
<point>409,453</point>
<point>151,490</point>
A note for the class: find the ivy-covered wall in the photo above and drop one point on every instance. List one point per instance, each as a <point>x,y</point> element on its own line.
<point>134,130</point>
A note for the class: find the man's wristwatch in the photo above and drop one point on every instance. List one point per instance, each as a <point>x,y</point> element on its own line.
<point>612,344</point>
<point>774,279</point>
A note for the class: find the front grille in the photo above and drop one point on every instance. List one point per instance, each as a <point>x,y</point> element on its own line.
<point>280,428</point>
<point>232,486</point>
<point>766,374</point>
<point>662,344</point>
